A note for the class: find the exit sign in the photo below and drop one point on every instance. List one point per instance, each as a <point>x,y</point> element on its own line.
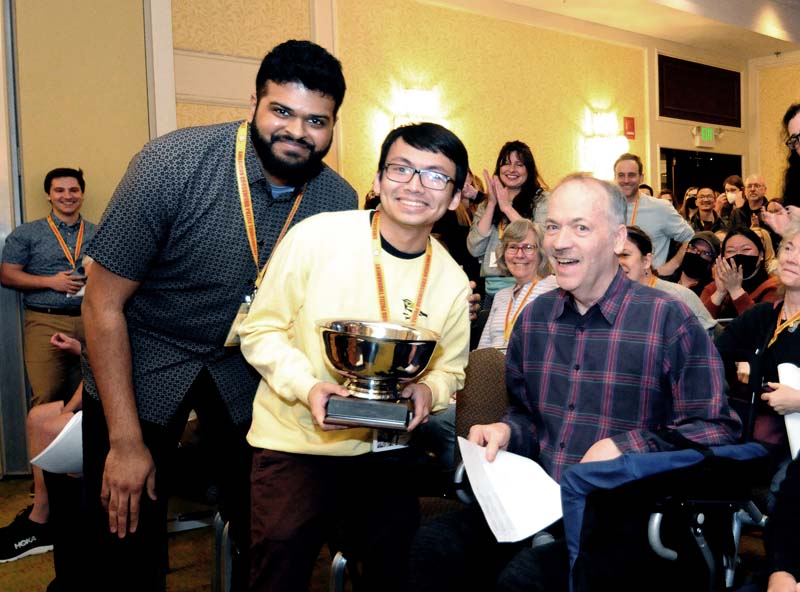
<point>704,137</point>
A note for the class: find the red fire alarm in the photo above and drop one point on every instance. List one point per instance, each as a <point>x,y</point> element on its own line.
<point>629,126</point>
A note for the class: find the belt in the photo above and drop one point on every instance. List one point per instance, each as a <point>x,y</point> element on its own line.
<point>67,312</point>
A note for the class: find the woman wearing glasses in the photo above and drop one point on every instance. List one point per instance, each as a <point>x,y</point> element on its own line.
<point>520,254</point>
<point>636,261</point>
<point>515,191</point>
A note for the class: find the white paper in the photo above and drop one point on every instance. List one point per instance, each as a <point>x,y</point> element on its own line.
<point>789,374</point>
<point>65,453</point>
<point>517,497</point>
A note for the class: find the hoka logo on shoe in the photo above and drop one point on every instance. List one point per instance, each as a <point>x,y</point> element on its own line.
<point>25,542</point>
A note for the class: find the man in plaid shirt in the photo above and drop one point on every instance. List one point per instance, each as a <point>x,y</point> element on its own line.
<point>600,367</point>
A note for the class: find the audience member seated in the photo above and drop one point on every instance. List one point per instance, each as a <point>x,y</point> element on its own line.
<point>698,260</point>
<point>452,230</point>
<point>636,261</point>
<point>626,395</point>
<point>667,195</point>
<point>520,254</point>
<point>28,534</point>
<point>757,341</point>
<point>770,261</point>
<point>733,197</point>
<point>515,191</point>
<point>706,218</point>
<point>740,277</point>
<point>689,204</point>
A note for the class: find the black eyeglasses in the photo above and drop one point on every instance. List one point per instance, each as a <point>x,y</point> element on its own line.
<point>793,141</point>
<point>401,173</point>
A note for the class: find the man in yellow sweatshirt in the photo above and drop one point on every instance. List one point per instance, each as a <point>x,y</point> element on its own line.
<point>310,480</point>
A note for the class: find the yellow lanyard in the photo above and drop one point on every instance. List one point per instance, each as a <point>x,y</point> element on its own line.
<point>510,325</point>
<point>380,283</point>
<point>635,211</point>
<point>78,241</point>
<point>247,203</point>
<point>781,326</point>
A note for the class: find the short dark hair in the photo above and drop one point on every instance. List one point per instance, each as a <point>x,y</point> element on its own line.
<point>641,239</point>
<point>430,137</point>
<point>745,232</point>
<point>305,63</point>
<point>77,174</point>
<point>629,156</point>
<point>646,186</point>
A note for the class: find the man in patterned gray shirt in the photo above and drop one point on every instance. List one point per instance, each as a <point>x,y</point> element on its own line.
<point>177,254</point>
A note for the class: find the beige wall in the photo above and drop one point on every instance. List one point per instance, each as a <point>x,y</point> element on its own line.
<point>778,88</point>
<point>233,27</point>
<point>82,94</point>
<point>498,81</point>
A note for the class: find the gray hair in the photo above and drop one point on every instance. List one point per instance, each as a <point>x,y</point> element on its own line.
<point>792,230</point>
<point>617,204</point>
<point>517,231</point>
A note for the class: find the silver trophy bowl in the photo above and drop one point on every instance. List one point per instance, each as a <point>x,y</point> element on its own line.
<point>375,357</point>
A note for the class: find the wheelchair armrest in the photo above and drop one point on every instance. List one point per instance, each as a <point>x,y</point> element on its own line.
<point>654,538</point>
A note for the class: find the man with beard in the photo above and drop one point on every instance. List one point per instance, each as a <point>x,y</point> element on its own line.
<point>178,254</point>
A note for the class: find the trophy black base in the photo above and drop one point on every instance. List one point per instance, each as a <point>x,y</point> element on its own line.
<point>385,415</point>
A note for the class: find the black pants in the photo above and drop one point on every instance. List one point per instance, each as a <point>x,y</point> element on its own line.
<point>364,506</point>
<point>138,561</point>
<point>458,552</point>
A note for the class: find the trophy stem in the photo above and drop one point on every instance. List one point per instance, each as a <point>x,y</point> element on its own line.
<point>372,388</point>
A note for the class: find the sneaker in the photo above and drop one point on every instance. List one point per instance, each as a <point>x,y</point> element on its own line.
<point>24,537</point>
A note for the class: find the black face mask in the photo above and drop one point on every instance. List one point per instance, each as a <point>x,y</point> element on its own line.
<point>748,263</point>
<point>695,266</point>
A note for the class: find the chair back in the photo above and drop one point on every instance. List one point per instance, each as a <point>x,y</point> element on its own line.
<point>484,398</point>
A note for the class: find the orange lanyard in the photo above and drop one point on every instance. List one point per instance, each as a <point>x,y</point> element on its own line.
<point>635,211</point>
<point>510,325</point>
<point>78,241</point>
<point>652,281</point>
<point>781,326</point>
<point>247,203</point>
<point>380,282</point>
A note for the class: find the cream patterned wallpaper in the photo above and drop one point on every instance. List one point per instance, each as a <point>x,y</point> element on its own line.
<point>246,28</point>
<point>498,81</point>
<point>189,114</point>
<point>777,89</point>
<point>242,28</point>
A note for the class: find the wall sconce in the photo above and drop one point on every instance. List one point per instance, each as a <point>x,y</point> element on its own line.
<point>602,143</point>
<point>415,105</point>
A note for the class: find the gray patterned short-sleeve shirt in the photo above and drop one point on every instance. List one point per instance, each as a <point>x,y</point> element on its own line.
<point>175,225</point>
<point>34,246</point>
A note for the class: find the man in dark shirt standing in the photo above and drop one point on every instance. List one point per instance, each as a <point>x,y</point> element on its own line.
<point>598,368</point>
<point>44,260</point>
<point>190,225</point>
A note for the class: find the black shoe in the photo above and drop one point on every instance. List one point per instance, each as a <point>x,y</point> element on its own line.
<point>24,537</point>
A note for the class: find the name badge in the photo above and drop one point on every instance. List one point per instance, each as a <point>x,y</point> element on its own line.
<point>233,340</point>
<point>492,259</point>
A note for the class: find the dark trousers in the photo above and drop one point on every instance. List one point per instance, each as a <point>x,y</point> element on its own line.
<point>138,561</point>
<point>361,505</point>
<point>458,551</point>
